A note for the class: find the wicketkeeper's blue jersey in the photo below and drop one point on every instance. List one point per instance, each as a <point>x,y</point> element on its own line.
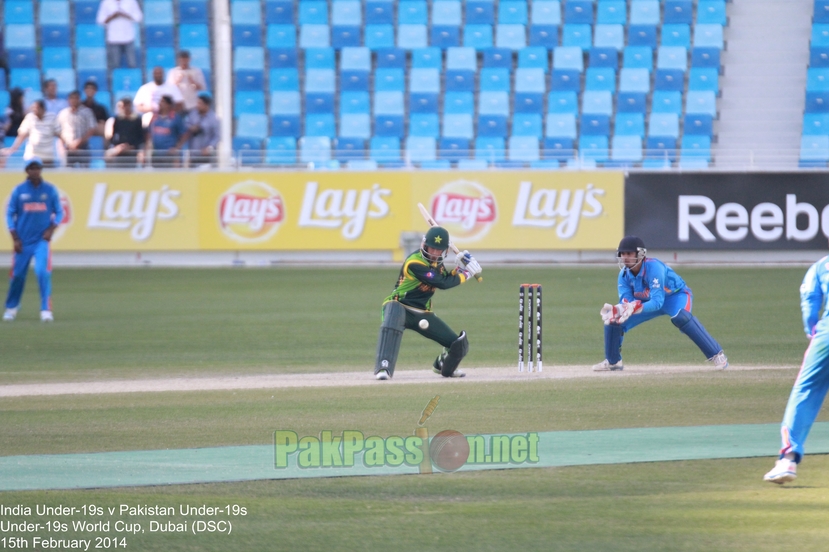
<point>814,293</point>
<point>652,285</point>
<point>32,209</point>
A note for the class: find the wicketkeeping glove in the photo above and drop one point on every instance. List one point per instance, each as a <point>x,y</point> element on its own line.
<point>610,314</point>
<point>628,309</point>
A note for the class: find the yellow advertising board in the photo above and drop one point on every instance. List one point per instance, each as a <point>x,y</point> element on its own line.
<point>550,210</point>
<point>329,211</point>
<point>119,211</point>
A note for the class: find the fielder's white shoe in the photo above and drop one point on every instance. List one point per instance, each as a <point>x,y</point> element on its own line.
<point>382,375</point>
<point>9,315</point>
<point>46,316</point>
<point>720,361</point>
<point>605,366</point>
<point>784,470</point>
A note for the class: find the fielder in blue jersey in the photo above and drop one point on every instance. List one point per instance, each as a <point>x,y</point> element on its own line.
<point>33,214</point>
<point>649,288</point>
<point>812,382</point>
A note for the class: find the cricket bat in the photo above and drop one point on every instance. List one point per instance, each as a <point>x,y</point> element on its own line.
<point>432,222</point>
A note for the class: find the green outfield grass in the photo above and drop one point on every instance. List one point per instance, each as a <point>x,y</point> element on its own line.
<point>158,322</point>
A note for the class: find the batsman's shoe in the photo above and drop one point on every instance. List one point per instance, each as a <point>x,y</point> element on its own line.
<point>605,366</point>
<point>9,315</point>
<point>46,316</point>
<point>784,470</point>
<point>720,361</point>
<point>382,375</point>
<point>456,374</point>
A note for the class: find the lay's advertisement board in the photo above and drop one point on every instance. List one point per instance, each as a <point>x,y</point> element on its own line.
<point>329,211</point>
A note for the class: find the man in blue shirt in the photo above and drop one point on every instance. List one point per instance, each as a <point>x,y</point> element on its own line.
<point>649,288</point>
<point>33,214</point>
<point>812,382</point>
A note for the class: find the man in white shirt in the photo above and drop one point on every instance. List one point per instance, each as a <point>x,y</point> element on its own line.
<point>147,98</point>
<point>42,129</point>
<point>120,17</point>
<point>78,125</point>
<point>189,80</point>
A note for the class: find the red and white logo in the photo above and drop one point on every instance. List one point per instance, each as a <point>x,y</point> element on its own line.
<point>251,211</point>
<point>68,215</point>
<point>466,209</point>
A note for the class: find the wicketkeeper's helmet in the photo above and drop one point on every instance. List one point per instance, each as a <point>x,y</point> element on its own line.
<point>631,244</point>
<point>438,238</point>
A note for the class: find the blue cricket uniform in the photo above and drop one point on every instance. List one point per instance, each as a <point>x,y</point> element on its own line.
<point>661,291</point>
<point>31,211</point>
<point>812,382</point>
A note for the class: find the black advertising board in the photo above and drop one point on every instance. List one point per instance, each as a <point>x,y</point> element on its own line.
<point>776,211</point>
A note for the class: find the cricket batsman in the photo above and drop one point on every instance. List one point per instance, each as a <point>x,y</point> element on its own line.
<point>649,288</point>
<point>33,213</point>
<point>410,306</point>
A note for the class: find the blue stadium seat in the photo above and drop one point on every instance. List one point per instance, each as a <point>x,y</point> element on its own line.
<point>314,36</point>
<point>446,12</point>
<point>86,12</point>
<point>523,149</point>
<point>664,124</point>
<point>252,125</point>
<point>529,102</point>
<point>545,36</point>
<point>420,80</point>
<point>319,102</point>
<point>711,36</point>
<point>280,150</point>
<point>696,146</point>
<point>27,79</point>
<point>458,102</point>
<point>642,35</point>
<point>193,36</point>
<point>347,12</point>
<point>578,11</point>
<point>816,102</point>
<point>20,36</point>
<point>453,149</point>
<point>126,79</point>
<point>526,124</point>
<point>493,103</point>
<point>419,149</point>
<point>600,78</point>
<point>533,58</point>
<point>669,79</point>
<point>597,103</point>
<point>458,125</point>
<point>634,80</point>
<point>707,78</point>
<point>713,12</point>
<point>367,165</point>
<point>512,12</point>
<point>22,58</point>
<point>557,149</point>
<point>320,58</point>
<point>156,57</point>
<point>412,12</point>
<point>379,12</point>
<point>480,12</point>
<point>313,12</point>
<point>248,58</point>
<point>354,80</point>
<point>510,36</point>
<point>477,36</point>
<point>609,36</point>
<point>315,149</point>
<point>379,36</point>
<point>192,12</point>
<point>611,12</point>
<point>561,125</point>
<point>412,36</point>
<point>89,36</point>
<point>706,57</point>
<point>626,148</point>
<point>56,58</point>
<point>384,149</point>
<point>320,124</point>
<point>678,11</point>
<point>629,124</point>
<point>355,102</point>
<point>565,80</point>
<point>814,149</point>
<point>701,101</point>
<point>162,36</point>
<point>563,102</point>
<point>460,80</point>
<point>579,36</point>
<point>661,147</point>
<point>425,124</point>
<point>285,103</point>
<point>394,80</point>
<point>676,35</point>
<point>65,78</point>
<point>672,57</point>
<point>495,79</point>
<point>815,124</point>
<point>530,80</point>
<point>665,101</point>
<point>248,102</point>
<point>346,149</point>
<point>817,80</point>
<point>492,126</point>
<point>98,76</point>
<point>698,125</point>
<point>16,12</point>
<point>249,80</point>
<point>423,103</point>
<point>160,12</point>
<point>644,12</point>
<point>388,103</point>
<point>498,57</point>
<point>568,58</point>
<point>389,58</point>
<point>593,147</point>
<point>95,58</point>
<point>422,58</point>
<point>54,12</point>
<point>284,80</point>
<point>286,125</point>
<point>594,124</point>
<point>631,102</point>
<point>472,165</point>
<point>604,57</point>
<point>248,150</point>
<point>320,80</point>
<point>546,12</point>
<point>343,36</point>
<point>55,36</point>
<point>357,58</point>
<point>638,57</point>
<point>490,148</point>
<point>280,36</point>
<point>445,36</point>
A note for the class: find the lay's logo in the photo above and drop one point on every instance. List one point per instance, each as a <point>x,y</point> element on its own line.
<point>466,209</point>
<point>251,211</point>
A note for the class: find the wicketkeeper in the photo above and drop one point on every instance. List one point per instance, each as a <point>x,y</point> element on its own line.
<point>649,288</point>
<point>410,306</point>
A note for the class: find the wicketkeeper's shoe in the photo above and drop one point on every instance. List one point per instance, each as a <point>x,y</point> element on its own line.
<point>605,366</point>
<point>784,470</point>
<point>46,316</point>
<point>382,375</point>
<point>720,361</point>
<point>9,315</point>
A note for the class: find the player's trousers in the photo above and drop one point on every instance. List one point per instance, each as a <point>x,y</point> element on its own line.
<point>437,331</point>
<point>42,255</point>
<point>808,393</point>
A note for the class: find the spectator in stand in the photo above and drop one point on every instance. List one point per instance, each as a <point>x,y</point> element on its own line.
<point>120,17</point>
<point>189,80</point>
<point>42,129</point>
<point>14,113</point>
<point>202,132</point>
<point>50,96</point>
<point>90,88</point>
<point>166,135</point>
<point>125,137</point>
<point>77,125</point>
<point>148,96</point>
<point>4,61</point>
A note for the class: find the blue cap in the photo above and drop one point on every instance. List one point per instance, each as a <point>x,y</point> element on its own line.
<point>34,161</point>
